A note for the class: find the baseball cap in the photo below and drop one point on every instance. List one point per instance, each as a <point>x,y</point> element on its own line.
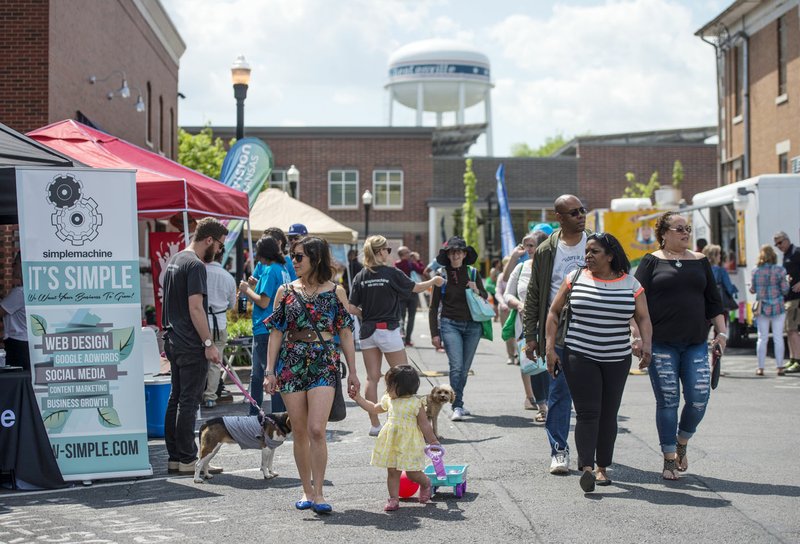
<point>298,229</point>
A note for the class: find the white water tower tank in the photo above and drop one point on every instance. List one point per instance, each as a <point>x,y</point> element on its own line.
<point>440,76</point>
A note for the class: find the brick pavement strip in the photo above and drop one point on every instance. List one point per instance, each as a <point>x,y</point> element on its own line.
<point>741,485</point>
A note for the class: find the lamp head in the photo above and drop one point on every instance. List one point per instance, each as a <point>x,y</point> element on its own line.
<point>293,174</point>
<point>240,71</point>
<point>366,198</point>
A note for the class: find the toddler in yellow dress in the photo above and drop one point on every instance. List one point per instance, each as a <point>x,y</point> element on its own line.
<point>400,445</point>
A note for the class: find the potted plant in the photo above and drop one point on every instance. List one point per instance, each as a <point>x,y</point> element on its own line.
<point>671,196</point>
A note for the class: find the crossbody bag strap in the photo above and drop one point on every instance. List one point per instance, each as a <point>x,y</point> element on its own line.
<point>342,368</point>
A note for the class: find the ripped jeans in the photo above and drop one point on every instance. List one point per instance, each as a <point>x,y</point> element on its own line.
<point>673,365</point>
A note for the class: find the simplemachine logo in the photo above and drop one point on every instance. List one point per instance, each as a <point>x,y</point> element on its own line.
<point>76,218</point>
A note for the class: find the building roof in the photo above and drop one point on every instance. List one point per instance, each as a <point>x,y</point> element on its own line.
<point>162,26</point>
<point>693,136</point>
<point>733,12</point>
<point>455,141</point>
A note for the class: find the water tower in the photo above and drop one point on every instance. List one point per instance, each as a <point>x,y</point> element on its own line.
<point>441,76</point>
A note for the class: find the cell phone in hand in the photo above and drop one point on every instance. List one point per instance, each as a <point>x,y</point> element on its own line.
<point>556,370</point>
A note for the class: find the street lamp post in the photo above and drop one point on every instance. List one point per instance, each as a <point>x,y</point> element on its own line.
<point>240,74</point>
<point>366,199</point>
<point>293,177</point>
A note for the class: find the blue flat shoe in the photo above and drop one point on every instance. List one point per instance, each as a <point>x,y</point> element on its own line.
<point>304,505</point>
<point>322,508</point>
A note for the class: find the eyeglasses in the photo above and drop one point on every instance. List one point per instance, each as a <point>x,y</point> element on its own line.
<point>575,212</point>
<point>681,229</point>
<point>220,242</point>
<point>298,257</point>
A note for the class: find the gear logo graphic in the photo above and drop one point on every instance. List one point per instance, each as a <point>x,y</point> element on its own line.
<point>76,218</point>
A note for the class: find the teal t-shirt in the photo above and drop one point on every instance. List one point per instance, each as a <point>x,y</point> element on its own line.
<point>272,277</point>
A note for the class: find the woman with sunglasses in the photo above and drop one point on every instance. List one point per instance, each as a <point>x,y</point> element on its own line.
<point>302,360</point>
<point>596,359</point>
<point>682,297</point>
<point>273,274</point>
<point>375,298</point>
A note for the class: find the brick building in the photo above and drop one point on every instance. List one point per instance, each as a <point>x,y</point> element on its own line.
<point>757,46</point>
<point>49,50</point>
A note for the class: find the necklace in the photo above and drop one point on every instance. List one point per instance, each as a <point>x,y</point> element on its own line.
<point>677,256</point>
<point>308,297</point>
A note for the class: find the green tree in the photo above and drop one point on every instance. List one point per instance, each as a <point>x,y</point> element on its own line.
<point>470,216</point>
<point>551,145</point>
<point>677,174</point>
<point>202,152</point>
<point>636,189</point>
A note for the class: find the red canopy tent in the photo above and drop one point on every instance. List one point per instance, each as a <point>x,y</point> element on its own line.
<point>163,186</point>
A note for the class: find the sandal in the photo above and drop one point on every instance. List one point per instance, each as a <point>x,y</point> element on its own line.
<point>541,417</point>
<point>670,471</point>
<point>425,494</point>
<point>682,461</point>
<point>392,504</point>
<point>605,480</point>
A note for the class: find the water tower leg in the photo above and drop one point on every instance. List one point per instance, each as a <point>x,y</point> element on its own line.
<point>489,141</point>
<point>391,104</point>
<point>462,100</point>
<point>420,103</point>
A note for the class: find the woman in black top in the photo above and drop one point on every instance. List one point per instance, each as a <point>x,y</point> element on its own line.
<point>682,297</point>
<point>455,328</point>
<point>375,299</point>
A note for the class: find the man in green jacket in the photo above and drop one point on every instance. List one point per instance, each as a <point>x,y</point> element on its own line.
<point>555,258</point>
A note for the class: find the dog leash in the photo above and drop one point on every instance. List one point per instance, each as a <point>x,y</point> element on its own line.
<point>419,370</point>
<point>235,379</point>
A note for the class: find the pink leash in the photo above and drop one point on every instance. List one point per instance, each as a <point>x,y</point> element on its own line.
<point>235,379</point>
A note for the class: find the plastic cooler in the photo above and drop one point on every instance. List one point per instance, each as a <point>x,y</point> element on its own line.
<point>156,388</point>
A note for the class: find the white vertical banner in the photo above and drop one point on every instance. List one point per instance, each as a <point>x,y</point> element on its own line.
<point>80,264</point>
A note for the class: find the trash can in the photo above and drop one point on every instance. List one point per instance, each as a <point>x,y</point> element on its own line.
<point>156,395</point>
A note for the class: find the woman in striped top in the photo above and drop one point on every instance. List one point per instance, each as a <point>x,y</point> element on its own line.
<point>597,354</point>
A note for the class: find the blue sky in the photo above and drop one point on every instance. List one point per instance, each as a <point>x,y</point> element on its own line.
<point>559,66</point>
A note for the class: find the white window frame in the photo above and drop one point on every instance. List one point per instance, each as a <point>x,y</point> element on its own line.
<point>282,184</point>
<point>380,205</point>
<point>343,171</point>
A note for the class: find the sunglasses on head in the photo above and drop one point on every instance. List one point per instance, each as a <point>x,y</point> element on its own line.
<point>576,212</point>
<point>681,229</point>
<point>298,257</point>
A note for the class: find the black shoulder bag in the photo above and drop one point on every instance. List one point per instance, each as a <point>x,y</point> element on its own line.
<point>566,314</point>
<point>338,408</point>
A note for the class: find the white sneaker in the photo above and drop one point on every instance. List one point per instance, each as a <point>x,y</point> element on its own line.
<point>466,412</point>
<point>376,430</point>
<point>559,463</point>
<point>458,414</point>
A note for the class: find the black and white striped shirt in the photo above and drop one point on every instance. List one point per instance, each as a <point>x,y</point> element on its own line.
<point>601,313</point>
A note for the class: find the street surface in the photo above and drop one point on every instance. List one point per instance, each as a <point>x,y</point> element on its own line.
<point>742,484</point>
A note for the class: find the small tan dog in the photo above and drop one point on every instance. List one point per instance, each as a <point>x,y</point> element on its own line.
<point>249,432</point>
<point>438,397</point>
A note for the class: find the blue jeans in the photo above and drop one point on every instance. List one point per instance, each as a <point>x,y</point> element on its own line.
<point>673,365</point>
<point>260,344</point>
<point>460,342</point>
<point>559,408</point>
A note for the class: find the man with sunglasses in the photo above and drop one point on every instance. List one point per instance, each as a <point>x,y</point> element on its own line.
<point>555,258</point>
<point>187,341</point>
<point>791,262</point>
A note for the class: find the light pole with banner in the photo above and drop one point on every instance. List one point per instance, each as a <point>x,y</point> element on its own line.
<point>240,74</point>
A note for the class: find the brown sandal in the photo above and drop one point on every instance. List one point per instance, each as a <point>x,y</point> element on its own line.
<point>681,460</point>
<point>541,417</point>
<point>670,471</point>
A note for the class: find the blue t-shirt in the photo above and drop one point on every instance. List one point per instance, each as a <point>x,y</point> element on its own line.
<point>272,277</point>
<point>260,267</point>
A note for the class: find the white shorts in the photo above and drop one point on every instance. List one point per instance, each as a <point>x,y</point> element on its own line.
<point>385,340</point>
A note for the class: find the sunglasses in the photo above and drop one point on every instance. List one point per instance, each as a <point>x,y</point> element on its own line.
<point>575,212</point>
<point>388,250</point>
<point>779,242</point>
<point>298,257</point>
<point>681,229</point>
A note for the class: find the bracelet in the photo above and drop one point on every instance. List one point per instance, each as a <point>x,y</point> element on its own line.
<point>636,339</point>
<point>723,334</point>
<point>269,372</point>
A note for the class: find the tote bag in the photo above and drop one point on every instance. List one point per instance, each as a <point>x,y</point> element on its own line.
<point>479,308</point>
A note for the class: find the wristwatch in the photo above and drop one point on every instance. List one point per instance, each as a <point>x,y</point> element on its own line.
<point>207,343</point>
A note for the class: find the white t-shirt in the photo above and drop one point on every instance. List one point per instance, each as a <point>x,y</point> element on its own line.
<point>221,294</point>
<point>568,258</point>
<point>14,321</point>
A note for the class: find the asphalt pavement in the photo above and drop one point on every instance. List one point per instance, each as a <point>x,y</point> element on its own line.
<point>742,484</point>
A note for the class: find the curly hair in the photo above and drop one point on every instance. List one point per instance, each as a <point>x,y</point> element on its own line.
<point>767,255</point>
<point>403,380</point>
<point>662,226</point>
<point>619,261</point>
<point>267,248</point>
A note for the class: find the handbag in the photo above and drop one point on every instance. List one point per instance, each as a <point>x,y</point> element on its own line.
<point>756,308</point>
<point>479,308</point>
<point>338,408</point>
<point>510,325</point>
<point>566,314</point>
<point>527,366</point>
<point>728,302</point>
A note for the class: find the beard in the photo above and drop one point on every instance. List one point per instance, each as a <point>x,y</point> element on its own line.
<point>210,253</point>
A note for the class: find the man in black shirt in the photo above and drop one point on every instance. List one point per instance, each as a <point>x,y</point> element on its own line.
<point>187,341</point>
<point>791,262</point>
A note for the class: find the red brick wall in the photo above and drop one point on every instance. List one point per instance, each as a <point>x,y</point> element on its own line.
<point>602,168</point>
<point>314,157</point>
<point>24,42</point>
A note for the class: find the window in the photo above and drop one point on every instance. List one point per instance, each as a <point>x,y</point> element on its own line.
<point>161,124</point>
<point>277,180</point>
<point>172,134</point>
<point>343,189</point>
<point>782,48</point>
<point>148,120</point>
<point>783,163</point>
<point>738,79</point>
<point>387,186</point>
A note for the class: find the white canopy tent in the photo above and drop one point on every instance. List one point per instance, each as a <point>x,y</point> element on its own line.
<point>275,208</point>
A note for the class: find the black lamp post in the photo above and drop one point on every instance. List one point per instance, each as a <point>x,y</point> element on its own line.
<point>366,199</point>
<point>293,177</point>
<point>240,74</point>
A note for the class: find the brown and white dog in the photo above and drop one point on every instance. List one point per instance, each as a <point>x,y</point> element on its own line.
<point>438,397</point>
<point>249,432</point>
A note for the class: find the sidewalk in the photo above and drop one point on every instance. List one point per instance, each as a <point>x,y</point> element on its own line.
<point>742,485</point>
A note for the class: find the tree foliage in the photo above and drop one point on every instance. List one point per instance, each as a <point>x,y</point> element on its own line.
<point>551,145</point>
<point>677,174</point>
<point>470,215</point>
<point>202,152</point>
<point>636,189</point>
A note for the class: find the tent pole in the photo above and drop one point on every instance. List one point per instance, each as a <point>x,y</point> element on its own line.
<point>250,245</point>
<point>186,227</point>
